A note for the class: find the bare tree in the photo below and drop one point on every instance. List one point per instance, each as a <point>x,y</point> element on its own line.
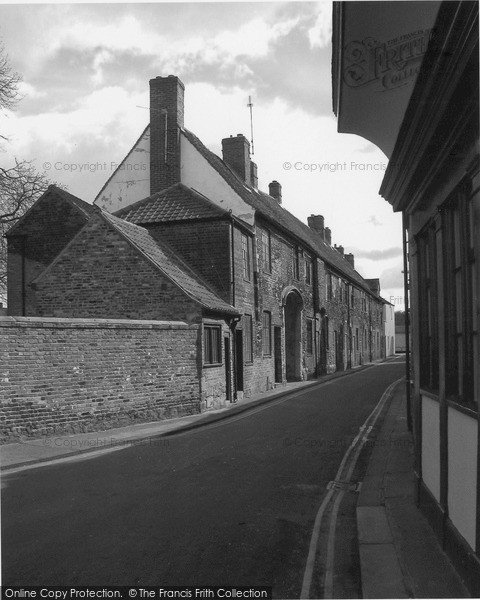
<point>9,81</point>
<point>20,184</point>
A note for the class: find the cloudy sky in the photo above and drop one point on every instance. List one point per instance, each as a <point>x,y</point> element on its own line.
<point>86,67</point>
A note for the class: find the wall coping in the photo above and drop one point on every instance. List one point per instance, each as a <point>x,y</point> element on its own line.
<point>68,323</point>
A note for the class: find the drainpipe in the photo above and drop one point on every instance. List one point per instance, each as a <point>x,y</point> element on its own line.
<point>407,321</point>
<point>232,265</point>
<point>24,278</point>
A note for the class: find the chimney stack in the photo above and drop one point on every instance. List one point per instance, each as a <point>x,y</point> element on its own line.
<point>275,190</point>
<point>236,153</point>
<point>351,259</point>
<point>339,249</point>
<point>317,223</point>
<point>166,117</point>
<point>328,235</point>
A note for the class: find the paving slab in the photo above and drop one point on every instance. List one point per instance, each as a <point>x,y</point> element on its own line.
<point>381,573</point>
<point>372,524</point>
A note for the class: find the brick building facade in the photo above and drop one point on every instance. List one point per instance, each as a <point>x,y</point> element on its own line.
<point>273,299</point>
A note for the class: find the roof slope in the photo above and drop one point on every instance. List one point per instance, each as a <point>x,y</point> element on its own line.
<point>164,258</point>
<point>176,203</point>
<point>82,206</point>
<point>270,209</point>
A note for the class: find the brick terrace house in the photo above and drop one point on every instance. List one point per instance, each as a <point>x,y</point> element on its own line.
<point>181,234</point>
<point>304,309</point>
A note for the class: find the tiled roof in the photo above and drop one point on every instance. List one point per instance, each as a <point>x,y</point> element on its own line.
<point>176,203</point>
<point>85,208</point>
<point>164,258</point>
<point>271,210</point>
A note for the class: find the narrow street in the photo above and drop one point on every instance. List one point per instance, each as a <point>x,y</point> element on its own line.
<point>232,503</point>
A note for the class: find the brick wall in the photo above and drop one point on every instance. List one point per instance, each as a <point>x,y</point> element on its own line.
<point>101,275</point>
<point>71,375</point>
<point>205,246</point>
<point>44,232</point>
<point>214,377</point>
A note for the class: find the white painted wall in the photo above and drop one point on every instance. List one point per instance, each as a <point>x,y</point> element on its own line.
<point>130,181</point>
<point>462,473</point>
<point>197,173</point>
<point>389,325</point>
<point>431,445</point>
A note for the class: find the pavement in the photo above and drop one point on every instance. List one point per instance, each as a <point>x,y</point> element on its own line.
<point>400,556</point>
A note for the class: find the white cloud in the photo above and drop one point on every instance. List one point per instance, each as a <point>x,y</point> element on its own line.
<point>26,90</point>
<point>103,125</point>
<point>320,35</point>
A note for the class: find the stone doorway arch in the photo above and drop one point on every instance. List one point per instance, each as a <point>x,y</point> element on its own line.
<point>292,310</point>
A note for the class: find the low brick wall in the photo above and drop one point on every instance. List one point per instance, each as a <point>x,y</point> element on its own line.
<point>72,375</point>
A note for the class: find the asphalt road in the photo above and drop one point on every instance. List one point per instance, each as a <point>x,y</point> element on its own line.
<point>229,504</point>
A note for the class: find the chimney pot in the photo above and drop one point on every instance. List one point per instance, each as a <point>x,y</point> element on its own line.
<point>351,259</point>
<point>275,190</point>
<point>328,235</point>
<point>339,249</point>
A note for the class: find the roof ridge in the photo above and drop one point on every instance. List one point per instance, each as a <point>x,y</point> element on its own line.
<point>154,196</point>
<point>177,202</point>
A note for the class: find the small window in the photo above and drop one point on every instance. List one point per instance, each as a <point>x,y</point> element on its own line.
<point>296,262</point>
<point>267,334</point>
<point>308,271</point>
<point>266,251</point>
<point>248,338</point>
<point>309,336</point>
<point>329,286</point>
<point>246,258</point>
<point>212,348</point>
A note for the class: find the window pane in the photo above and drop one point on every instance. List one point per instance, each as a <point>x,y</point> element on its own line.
<point>212,344</point>
<point>246,257</point>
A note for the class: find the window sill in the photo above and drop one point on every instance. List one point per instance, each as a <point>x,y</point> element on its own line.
<point>469,410</point>
<point>210,365</point>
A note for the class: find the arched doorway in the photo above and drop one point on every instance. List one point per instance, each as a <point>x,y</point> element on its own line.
<point>293,306</point>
